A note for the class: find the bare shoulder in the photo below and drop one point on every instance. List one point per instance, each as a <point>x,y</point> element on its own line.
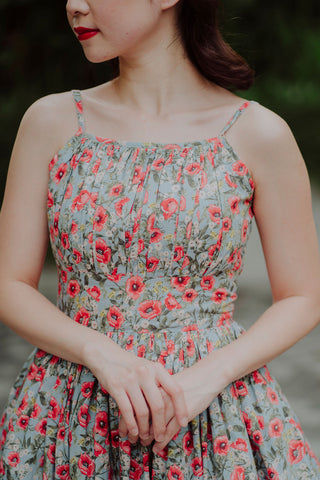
<point>265,142</point>
<point>51,120</point>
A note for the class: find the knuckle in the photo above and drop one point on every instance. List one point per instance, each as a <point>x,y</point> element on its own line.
<point>158,408</point>
<point>142,369</point>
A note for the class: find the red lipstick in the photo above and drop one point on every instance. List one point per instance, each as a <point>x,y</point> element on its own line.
<point>85,33</point>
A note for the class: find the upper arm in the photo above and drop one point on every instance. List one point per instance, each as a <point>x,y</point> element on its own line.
<point>23,218</point>
<point>282,204</point>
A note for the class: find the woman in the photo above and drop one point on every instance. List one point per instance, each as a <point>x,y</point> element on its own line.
<point>140,371</point>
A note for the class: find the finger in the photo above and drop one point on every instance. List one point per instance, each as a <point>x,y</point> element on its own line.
<point>176,393</point>
<point>123,429</point>
<point>173,428</point>
<point>127,412</point>
<point>156,405</point>
<point>141,409</point>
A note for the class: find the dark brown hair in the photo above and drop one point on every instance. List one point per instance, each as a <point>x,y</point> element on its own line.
<point>198,27</point>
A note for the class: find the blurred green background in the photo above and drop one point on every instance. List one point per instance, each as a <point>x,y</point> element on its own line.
<point>280,40</point>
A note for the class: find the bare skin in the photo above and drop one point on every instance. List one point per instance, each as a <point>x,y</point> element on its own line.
<point>159,97</point>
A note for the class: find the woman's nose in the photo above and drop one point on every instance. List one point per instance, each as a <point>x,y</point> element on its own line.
<point>77,7</point>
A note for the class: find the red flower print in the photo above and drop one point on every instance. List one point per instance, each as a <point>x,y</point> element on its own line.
<point>68,192</point>
<point>239,388</point>
<point>94,292</point>
<point>150,309</point>
<point>74,227</point>
<point>219,295</point>
<point>56,223</point>
<point>178,253</point>
<point>273,397</point>
<point>120,204</point>
<point>99,219</point>
<point>73,288</point>
<point>260,421</point>
<point>115,438</point>
<point>215,213</point>
<point>115,317</point>
<point>62,472</point>
<point>54,409</point>
<point>101,423</point>
<point>187,443</point>
<point>156,235</point>
<point>82,199</point>
<point>103,252</point>
<point>257,437</point>
<point>141,351</point>
<point>238,474</point>
<point>234,204</point>
<point>13,459</point>
<point>52,453</point>
<point>275,428</point>
<point>60,173</point>
<point>136,471</point>
<point>151,264</point>
<point>116,190</point>
<point>86,465</point>
<point>207,282</point>
<point>190,347</point>
<point>65,240</point>
<point>84,416</point>
<point>273,474</point>
<point>41,427</point>
<point>247,421</point>
<point>77,256</point>
<point>171,303</point>
<point>193,168</point>
<point>135,286</point>
<point>115,277</point>
<point>180,283</point>
<point>240,168</point>
<point>229,181</point>
<point>197,467</point>
<point>53,162</point>
<point>82,316</point>
<point>98,449</point>
<point>23,421</point>
<point>128,238</point>
<point>169,207</point>
<point>86,155</point>
<point>258,378</point>
<point>240,444</point>
<point>175,473</point>
<point>224,320</point>
<point>158,164</point>
<point>138,175</point>
<point>221,445</point>
<point>204,449</point>
<point>296,451</point>
<point>226,224</point>
<point>150,222</point>
<point>189,295</point>
<point>49,199</point>
<point>188,229</point>
<point>129,343</point>
<point>86,389</point>
<point>244,230</point>
<point>61,433</point>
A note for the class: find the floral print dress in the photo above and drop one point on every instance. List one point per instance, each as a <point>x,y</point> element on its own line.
<point>149,241</point>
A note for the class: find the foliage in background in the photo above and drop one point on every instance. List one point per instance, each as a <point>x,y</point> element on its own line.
<point>280,40</point>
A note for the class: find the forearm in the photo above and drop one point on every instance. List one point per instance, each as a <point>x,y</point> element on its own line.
<point>282,325</point>
<point>33,317</point>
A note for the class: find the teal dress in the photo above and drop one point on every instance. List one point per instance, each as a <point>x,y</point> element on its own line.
<point>149,241</point>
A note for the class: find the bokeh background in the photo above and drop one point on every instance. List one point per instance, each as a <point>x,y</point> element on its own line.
<point>281,41</point>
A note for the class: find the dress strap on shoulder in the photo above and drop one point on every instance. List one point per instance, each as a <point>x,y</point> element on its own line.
<point>236,115</point>
<point>79,109</point>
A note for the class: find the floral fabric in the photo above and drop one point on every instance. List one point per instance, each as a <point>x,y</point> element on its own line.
<point>149,241</point>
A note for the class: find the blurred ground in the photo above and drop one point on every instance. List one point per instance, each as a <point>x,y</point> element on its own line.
<point>297,370</point>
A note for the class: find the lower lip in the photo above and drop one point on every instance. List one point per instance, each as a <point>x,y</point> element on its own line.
<point>87,35</point>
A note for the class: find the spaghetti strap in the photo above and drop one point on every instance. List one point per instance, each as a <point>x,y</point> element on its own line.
<point>79,109</point>
<point>236,115</point>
